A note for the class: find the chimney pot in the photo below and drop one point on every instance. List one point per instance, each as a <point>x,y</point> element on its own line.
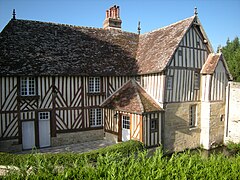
<point>112,20</point>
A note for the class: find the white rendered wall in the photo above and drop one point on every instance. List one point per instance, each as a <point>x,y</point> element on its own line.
<point>232,120</point>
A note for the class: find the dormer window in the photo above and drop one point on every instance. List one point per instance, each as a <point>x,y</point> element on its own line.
<point>27,86</point>
<point>94,85</point>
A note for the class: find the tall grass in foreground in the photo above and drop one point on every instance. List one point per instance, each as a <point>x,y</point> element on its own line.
<point>136,166</point>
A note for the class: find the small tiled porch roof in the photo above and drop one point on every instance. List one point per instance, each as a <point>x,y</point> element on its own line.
<point>211,64</point>
<point>131,98</point>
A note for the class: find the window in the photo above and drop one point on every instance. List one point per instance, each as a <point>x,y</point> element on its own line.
<point>179,52</point>
<point>138,78</point>
<point>125,122</point>
<point>198,44</point>
<point>94,85</point>
<point>153,124</point>
<point>169,82</point>
<point>193,116</point>
<point>43,115</point>
<point>95,117</point>
<point>27,86</point>
<point>196,80</point>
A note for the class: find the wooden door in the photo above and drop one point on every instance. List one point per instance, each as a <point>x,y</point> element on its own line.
<point>28,135</point>
<point>44,129</point>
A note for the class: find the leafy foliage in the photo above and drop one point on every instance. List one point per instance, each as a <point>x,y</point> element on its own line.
<point>231,53</point>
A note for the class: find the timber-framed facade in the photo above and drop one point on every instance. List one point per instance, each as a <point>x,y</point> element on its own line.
<point>63,84</point>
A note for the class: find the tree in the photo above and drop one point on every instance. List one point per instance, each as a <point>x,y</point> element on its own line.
<point>231,53</point>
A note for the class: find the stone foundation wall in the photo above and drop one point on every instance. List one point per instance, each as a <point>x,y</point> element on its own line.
<point>77,137</point>
<point>10,146</point>
<point>177,133</point>
<point>216,134</point>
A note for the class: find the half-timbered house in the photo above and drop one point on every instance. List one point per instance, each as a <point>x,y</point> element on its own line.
<point>63,84</point>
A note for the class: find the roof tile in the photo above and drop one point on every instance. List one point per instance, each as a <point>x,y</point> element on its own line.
<point>131,97</point>
<point>211,63</point>
<point>41,48</point>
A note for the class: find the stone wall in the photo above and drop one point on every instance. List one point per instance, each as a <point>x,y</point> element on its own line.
<point>10,146</point>
<point>177,133</point>
<point>216,131</point>
<point>232,125</point>
<point>77,137</point>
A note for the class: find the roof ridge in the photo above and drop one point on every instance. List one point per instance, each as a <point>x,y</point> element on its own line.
<point>115,92</point>
<point>135,84</point>
<point>168,25</point>
<point>75,26</point>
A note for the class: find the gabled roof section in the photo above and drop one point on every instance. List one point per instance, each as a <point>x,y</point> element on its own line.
<point>41,48</point>
<point>156,48</point>
<point>211,63</point>
<point>132,98</point>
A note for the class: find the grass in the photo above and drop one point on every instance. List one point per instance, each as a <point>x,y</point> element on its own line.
<point>233,146</point>
<point>130,165</point>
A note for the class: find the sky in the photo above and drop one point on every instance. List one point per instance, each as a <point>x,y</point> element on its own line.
<point>220,18</point>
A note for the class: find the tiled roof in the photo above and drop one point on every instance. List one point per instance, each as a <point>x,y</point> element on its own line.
<point>33,48</point>
<point>211,63</point>
<point>156,48</point>
<point>40,48</point>
<point>132,98</point>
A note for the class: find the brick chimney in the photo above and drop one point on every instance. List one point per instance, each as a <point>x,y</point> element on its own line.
<point>112,20</point>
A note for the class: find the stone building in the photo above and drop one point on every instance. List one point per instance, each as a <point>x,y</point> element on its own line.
<point>63,84</point>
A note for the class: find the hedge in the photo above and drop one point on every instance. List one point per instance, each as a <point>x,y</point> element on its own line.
<point>125,149</point>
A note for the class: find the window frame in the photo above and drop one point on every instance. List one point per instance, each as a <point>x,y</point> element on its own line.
<point>169,85</point>
<point>28,86</point>
<point>198,44</point>
<point>44,116</point>
<point>96,82</point>
<point>153,122</point>
<point>126,118</point>
<point>95,117</point>
<point>193,116</point>
<point>196,80</point>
